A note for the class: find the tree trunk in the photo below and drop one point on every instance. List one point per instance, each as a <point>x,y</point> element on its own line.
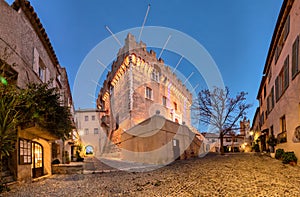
<point>221,143</point>
<point>63,152</point>
<point>232,144</point>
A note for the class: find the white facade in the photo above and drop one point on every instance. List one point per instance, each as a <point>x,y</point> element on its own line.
<point>87,123</point>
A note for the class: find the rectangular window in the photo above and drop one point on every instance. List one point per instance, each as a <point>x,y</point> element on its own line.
<point>270,101</point>
<point>270,74</point>
<point>42,70</point>
<point>286,29</point>
<point>164,101</point>
<point>86,131</point>
<point>295,57</point>
<point>25,151</point>
<point>149,93</point>
<point>286,78</point>
<point>282,137</point>
<point>272,98</point>
<point>96,130</point>
<point>175,106</point>
<point>41,73</point>
<point>86,118</point>
<point>155,75</point>
<point>282,39</point>
<point>282,80</point>
<point>262,118</point>
<point>277,53</point>
<point>283,124</point>
<point>93,117</point>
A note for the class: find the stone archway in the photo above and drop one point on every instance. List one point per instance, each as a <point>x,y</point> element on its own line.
<point>89,150</point>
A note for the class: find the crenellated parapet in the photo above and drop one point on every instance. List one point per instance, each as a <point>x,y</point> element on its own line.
<point>136,55</point>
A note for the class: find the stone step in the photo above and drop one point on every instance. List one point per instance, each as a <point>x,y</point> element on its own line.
<point>5,173</point>
<point>7,179</point>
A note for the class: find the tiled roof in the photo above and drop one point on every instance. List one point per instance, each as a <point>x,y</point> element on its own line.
<point>37,25</point>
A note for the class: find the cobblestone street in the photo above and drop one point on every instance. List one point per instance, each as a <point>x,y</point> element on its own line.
<point>214,175</point>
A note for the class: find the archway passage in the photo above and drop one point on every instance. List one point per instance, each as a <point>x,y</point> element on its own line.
<point>89,150</point>
<point>37,162</point>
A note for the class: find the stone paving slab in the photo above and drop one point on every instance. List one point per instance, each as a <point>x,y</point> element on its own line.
<point>213,175</point>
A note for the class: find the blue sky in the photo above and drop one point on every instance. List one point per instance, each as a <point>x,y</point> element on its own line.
<point>236,33</point>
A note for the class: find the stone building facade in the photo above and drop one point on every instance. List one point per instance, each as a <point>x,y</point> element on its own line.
<point>27,52</point>
<point>88,126</point>
<point>279,91</point>
<point>137,88</point>
<point>145,85</point>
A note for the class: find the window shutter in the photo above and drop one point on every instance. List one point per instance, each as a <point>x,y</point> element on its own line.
<point>47,74</point>
<point>287,27</point>
<point>286,72</point>
<point>295,57</point>
<point>276,89</point>
<point>272,97</point>
<point>36,59</point>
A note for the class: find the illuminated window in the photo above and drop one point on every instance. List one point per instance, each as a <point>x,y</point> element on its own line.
<point>282,137</point>
<point>25,151</point>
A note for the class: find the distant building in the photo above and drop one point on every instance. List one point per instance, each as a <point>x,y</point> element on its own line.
<point>279,91</point>
<point>231,142</point>
<point>140,88</point>
<point>88,126</point>
<point>28,56</point>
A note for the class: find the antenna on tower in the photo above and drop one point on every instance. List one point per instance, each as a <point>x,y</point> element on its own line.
<point>162,50</point>
<point>177,64</point>
<point>188,78</point>
<point>145,18</point>
<point>118,41</point>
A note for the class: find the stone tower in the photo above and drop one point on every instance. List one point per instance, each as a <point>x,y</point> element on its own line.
<point>139,85</point>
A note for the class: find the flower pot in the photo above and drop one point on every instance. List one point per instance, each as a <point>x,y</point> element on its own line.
<point>272,155</point>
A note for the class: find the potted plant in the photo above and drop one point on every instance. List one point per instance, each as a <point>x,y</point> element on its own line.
<point>256,148</point>
<point>279,153</point>
<point>289,158</point>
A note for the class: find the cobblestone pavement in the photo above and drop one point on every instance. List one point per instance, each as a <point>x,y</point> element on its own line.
<point>214,175</point>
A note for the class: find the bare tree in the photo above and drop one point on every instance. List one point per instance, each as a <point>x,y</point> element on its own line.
<point>217,109</point>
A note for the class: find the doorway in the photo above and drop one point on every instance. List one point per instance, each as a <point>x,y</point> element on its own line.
<point>176,149</point>
<point>37,162</point>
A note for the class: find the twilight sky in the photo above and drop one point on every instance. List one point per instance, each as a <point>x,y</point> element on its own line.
<point>236,34</point>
